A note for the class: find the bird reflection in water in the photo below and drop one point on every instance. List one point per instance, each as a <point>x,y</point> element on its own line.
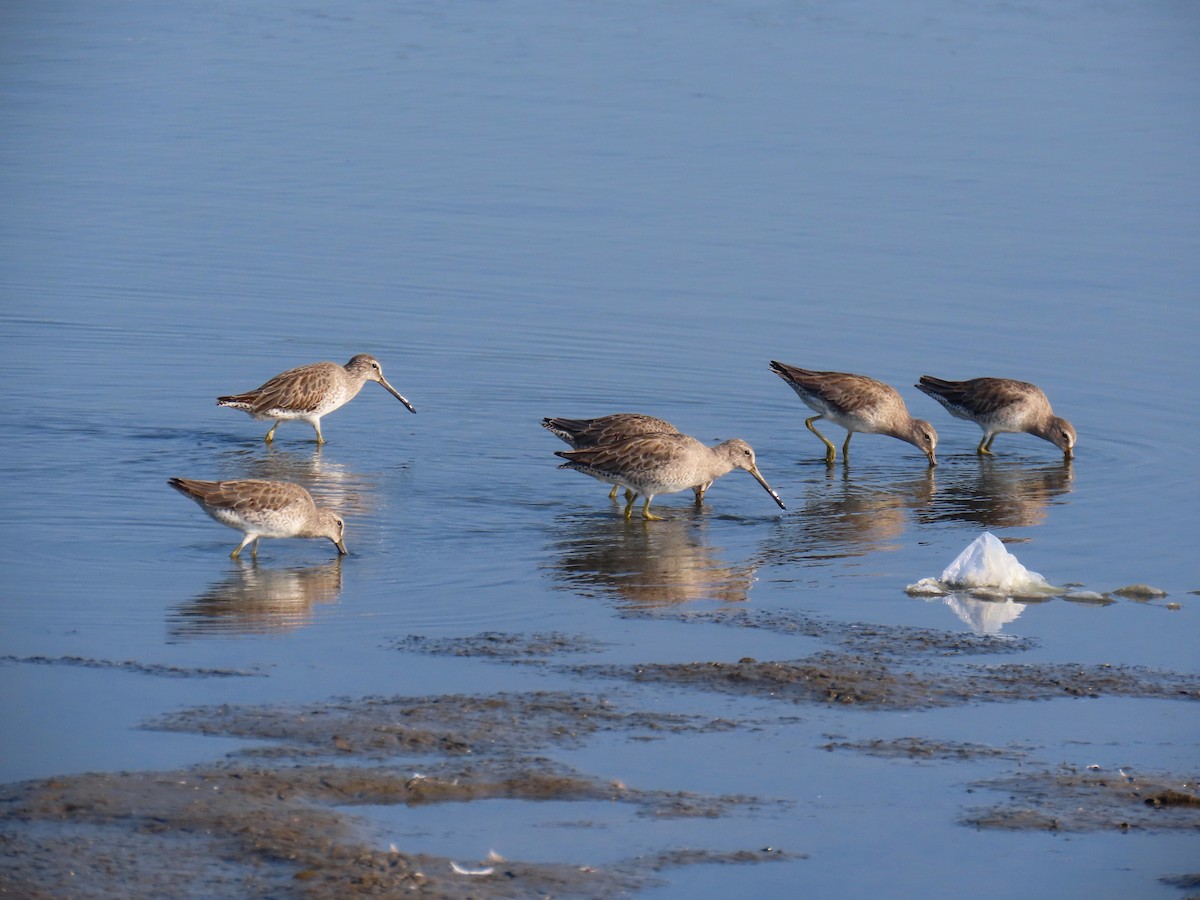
<point>994,493</point>
<point>662,565</point>
<point>256,599</point>
<point>330,483</point>
<point>848,513</point>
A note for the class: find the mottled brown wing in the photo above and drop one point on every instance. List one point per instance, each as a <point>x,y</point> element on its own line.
<point>567,429</point>
<point>793,373</point>
<point>248,494</point>
<point>646,451</point>
<point>989,395</point>
<point>190,487</point>
<point>621,427</point>
<point>980,396</point>
<point>261,495</point>
<point>854,392</point>
<point>842,390</point>
<point>611,429</point>
<point>301,389</point>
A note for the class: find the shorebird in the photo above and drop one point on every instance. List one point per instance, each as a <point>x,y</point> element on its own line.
<point>857,403</point>
<point>656,464</point>
<point>310,392</point>
<point>1002,405</point>
<point>259,509</point>
<point>584,433</point>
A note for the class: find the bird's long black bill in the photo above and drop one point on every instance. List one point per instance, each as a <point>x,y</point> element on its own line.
<point>767,488</point>
<point>399,396</point>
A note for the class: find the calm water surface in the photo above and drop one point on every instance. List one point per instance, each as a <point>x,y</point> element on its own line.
<point>572,209</point>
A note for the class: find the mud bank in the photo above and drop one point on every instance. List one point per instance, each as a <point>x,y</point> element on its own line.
<point>131,666</point>
<point>242,831</point>
<point>873,666</point>
<point>923,748</point>
<point>281,829</point>
<point>276,818</point>
<point>1091,799</point>
<point>447,724</point>
<point>868,681</point>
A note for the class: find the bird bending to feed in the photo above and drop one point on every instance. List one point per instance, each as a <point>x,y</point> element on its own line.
<point>310,392</point>
<point>857,403</point>
<point>1002,405</point>
<point>583,433</point>
<point>655,464</point>
<point>259,509</point>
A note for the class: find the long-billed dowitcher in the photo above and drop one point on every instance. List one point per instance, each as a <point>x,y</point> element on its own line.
<point>857,403</point>
<point>310,392</point>
<point>1002,405</point>
<point>259,509</point>
<point>655,464</point>
<point>584,433</point>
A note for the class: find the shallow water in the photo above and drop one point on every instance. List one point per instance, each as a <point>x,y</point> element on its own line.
<point>573,210</point>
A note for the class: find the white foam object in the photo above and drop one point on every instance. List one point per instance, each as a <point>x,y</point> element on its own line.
<point>926,587</point>
<point>987,563</point>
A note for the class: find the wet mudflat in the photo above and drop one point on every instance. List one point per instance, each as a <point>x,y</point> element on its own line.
<point>255,831</point>
<point>526,210</point>
<point>277,818</point>
<point>264,823</point>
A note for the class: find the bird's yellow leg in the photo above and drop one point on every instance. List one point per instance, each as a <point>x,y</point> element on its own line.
<point>271,434</point>
<point>831,453</point>
<point>985,445</point>
<point>612,495</point>
<point>237,551</point>
<point>317,428</point>
<point>846,446</point>
<point>629,504</point>
<point>647,515</point>
<point>254,549</point>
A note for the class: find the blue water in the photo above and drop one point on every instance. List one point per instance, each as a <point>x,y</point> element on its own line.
<point>572,209</point>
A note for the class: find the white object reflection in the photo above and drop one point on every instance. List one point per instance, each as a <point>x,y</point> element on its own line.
<point>985,616</point>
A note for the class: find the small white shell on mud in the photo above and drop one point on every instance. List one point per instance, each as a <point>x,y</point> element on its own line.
<point>463,870</point>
